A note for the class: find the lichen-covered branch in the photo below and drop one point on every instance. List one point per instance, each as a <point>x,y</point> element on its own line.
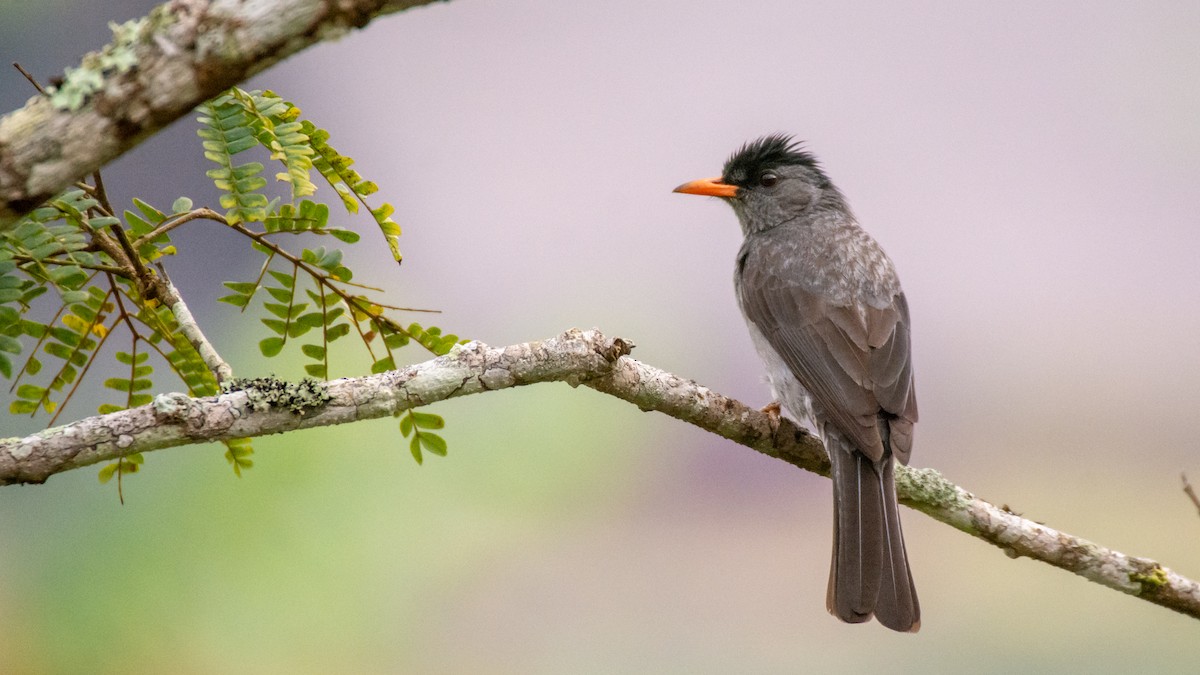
<point>156,70</point>
<point>175,419</point>
<point>576,357</point>
<point>925,490</point>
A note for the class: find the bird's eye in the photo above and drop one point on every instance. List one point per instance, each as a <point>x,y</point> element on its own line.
<point>768,179</point>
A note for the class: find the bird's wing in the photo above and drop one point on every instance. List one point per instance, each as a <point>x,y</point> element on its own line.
<point>892,376</point>
<point>855,364</point>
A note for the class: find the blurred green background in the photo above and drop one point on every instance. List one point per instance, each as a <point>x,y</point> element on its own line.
<point>1031,168</point>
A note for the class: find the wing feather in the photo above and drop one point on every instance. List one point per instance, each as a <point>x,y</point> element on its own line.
<point>856,362</point>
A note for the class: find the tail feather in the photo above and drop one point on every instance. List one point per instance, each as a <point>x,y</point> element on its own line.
<point>857,548</point>
<point>869,574</point>
<point>897,608</point>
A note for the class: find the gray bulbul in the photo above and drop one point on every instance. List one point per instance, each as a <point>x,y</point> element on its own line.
<point>826,313</point>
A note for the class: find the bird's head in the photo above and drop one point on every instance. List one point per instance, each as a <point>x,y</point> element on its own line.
<point>769,182</point>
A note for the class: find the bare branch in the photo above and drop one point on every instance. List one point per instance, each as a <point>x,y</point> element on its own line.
<point>119,271</point>
<point>191,329</point>
<point>156,70</point>
<point>1190,491</point>
<point>175,221</point>
<point>30,77</point>
<point>576,357</point>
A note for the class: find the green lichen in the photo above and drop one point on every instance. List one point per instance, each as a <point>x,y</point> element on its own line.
<point>118,57</point>
<point>267,393</point>
<point>927,486</point>
<point>1151,580</point>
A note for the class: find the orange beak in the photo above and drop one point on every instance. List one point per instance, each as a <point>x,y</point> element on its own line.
<point>713,187</point>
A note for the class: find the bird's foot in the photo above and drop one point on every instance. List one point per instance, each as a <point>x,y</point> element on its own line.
<point>773,411</point>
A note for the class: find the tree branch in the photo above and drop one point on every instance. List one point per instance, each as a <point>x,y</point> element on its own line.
<point>191,330</point>
<point>156,70</point>
<point>576,357</point>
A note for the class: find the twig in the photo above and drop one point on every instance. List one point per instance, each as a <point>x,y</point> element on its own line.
<point>352,301</point>
<point>31,78</point>
<point>121,271</point>
<point>205,213</point>
<point>191,329</point>
<point>172,223</point>
<point>1187,489</point>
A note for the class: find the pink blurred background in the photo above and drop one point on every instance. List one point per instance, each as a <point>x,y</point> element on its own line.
<point>1030,167</point>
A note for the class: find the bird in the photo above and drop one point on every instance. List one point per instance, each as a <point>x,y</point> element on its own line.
<point>830,323</point>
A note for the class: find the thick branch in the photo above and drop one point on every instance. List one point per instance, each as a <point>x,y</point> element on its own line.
<point>575,357</point>
<point>156,70</point>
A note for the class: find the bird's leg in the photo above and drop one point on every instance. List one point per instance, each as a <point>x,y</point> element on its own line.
<point>773,411</point>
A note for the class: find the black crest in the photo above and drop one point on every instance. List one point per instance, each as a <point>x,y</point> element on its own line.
<point>770,152</point>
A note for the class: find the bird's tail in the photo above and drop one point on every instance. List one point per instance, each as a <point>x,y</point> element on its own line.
<point>869,574</point>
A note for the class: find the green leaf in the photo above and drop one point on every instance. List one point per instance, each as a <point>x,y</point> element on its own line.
<point>383,365</point>
<point>58,350</point>
<point>9,316</point>
<point>22,407</point>
<point>312,319</point>
<point>331,260</point>
<point>152,214</point>
<point>118,384</point>
<point>433,443</point>
<point>278,327</point>
<point>316,370</point>
<point>45,250</point>
<point>107,472</point>
<point>70,277</point>
<point>10,345</point>
<point>280,294</point>
<point>271,346</point>
<point>414,446</point>
<point>33,292</point>
<point>241,287</point>
<point>427,420</point>
<point>72,297</point>
<point>235,300</point>
<point>313,351</point>
<point>395,340</point>
<point>241,145</point>
<point>406,425</point>
<point>181,205</point>
<point>285,280</point>
<point>127,358</point>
